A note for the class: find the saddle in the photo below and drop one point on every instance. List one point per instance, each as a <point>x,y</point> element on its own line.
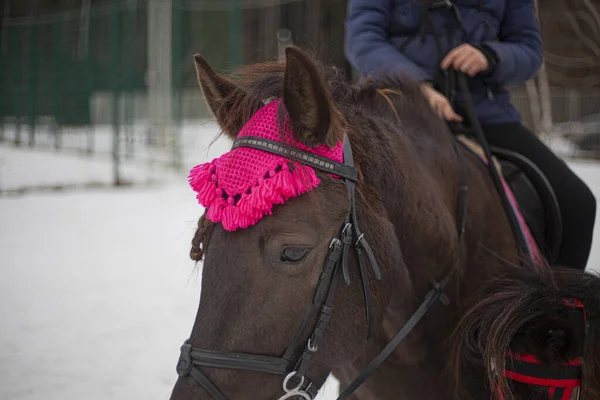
<point>535,198</point>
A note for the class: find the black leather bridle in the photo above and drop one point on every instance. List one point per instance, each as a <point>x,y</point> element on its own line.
<point>296,383</point>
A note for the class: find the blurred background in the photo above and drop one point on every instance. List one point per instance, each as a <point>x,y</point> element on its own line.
<point>100,120</point>
<point>117,76</point>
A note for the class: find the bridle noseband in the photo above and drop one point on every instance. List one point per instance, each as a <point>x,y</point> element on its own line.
<point>296,382</point>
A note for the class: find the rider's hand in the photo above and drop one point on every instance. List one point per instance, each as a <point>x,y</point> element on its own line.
<point>439,103</point>
<point>467,59</point>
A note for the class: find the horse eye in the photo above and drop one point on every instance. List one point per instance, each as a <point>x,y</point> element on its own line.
<point>293,254</point>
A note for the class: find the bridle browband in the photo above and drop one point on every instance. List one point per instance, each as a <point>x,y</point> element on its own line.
<point>296,383</point>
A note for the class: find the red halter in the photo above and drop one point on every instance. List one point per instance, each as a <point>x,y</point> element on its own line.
<point>561,379</point>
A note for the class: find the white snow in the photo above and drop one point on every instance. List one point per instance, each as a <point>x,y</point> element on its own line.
<point>96,288</point>
<point>22,167</point>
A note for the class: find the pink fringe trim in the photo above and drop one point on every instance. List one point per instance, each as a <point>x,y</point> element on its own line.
<point>200,179</point>
<point>275,189</point>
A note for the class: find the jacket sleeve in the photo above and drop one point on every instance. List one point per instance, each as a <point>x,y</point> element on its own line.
<point>519,49</point>
<point>366,44</point>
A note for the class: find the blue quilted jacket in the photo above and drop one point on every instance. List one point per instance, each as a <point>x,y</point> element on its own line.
<point>389,36</point>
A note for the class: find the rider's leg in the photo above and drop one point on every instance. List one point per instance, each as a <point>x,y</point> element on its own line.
<point>576,201</point>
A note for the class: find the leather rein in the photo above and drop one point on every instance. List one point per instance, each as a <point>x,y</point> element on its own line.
<point>296,382</point>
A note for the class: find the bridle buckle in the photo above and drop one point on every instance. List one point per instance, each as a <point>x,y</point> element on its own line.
<point>346,227</point>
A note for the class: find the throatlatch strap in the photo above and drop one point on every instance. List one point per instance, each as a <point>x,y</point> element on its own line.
<point>366,290</point>
<point>436,293</point>
<point>430,299</point>
<point>207,384</point>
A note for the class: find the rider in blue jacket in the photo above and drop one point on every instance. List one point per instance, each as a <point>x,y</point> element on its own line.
<point>496,43</point>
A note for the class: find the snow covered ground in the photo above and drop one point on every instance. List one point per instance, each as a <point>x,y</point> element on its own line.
<point>146,164</point>
<point>96,288</point>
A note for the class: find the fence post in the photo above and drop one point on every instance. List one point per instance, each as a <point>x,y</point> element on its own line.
<point>31,79</point>
<point>114,77</point>
<point>284,39</point>
<point>235,33</point>
<point>84,29</point>
<point>87,48</point>
<point>83,50</point>
<point>3,62</point>
<point>18,82</point>
<point>57,40</point>
<point>177,60</point>
<point>160,58</point>
<point>129,36</point>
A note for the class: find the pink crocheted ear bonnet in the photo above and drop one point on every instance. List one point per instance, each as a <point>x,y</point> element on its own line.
<point>242,186</point>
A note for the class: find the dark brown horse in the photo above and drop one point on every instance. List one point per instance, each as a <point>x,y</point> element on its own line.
<point>254,297</point>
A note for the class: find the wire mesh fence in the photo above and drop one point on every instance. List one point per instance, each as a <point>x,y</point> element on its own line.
<point>54,67</point>
<point>568,105</point>
<point>116,77</point>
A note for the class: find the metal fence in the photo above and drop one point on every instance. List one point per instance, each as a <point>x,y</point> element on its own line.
<point>116,77</point>
<point>568,105</point>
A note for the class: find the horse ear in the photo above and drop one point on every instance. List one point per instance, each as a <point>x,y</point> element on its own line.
<point>314,117</point>
<point>220,94</point>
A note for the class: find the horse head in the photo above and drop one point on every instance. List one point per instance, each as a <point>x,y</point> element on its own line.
<point>276,234</point>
